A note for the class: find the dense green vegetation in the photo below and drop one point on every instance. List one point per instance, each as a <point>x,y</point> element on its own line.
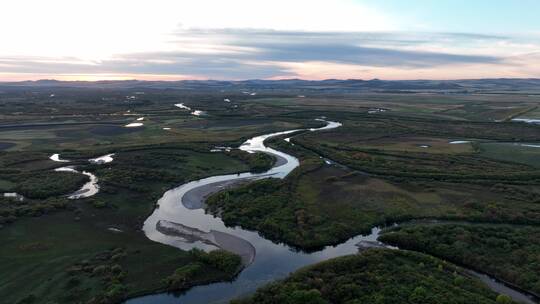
<point>43,189</point>
<point>185,276</point>
<point>257,162</point>
<point>31,174</point>
<point>511,253</point>
<point>376,276</point>
<point>267,206</point>
<point>273,208</point>
<point>320,205</point>
<point>137,169</point>
<point>46,184</point>
<point>12,208</point>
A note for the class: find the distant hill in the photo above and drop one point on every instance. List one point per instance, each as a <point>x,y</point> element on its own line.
<point>503,85</point>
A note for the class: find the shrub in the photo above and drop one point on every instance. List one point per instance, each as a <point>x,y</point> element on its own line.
<point>219,259</point>
<point>182,276</point>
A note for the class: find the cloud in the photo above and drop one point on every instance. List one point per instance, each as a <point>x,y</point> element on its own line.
<point>249,53</point>
<point>98,28</point>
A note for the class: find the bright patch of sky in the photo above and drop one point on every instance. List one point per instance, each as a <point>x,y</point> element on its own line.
<point>242,39</point>
<point>467,16</point>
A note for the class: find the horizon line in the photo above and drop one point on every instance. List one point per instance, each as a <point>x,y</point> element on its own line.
<point>270,80</point>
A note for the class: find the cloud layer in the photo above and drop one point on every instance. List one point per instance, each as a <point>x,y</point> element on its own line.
<point>269,54</point>
<point>241,39</point>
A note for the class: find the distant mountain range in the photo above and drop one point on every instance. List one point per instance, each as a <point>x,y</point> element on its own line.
<point>501,85</point>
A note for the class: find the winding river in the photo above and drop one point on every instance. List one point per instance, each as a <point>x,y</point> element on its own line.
<point>180,221</point>
<point>91,187</point>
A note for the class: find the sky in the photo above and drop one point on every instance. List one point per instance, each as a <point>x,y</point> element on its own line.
<point>262,39</point>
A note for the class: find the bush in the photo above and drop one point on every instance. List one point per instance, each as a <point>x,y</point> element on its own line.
<point>182,277</point>
<point>219,259</point>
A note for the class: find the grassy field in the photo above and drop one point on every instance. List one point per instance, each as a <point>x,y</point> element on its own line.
<point>523,153</point>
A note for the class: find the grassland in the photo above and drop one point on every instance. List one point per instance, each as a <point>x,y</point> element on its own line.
<point>523,153</point>
<point>394,162</point>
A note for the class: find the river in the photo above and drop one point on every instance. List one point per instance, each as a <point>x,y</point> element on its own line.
<point>179,220</point>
